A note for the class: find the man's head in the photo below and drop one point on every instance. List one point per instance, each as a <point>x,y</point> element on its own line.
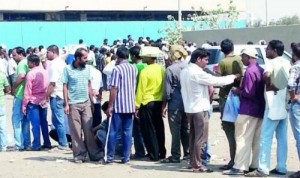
<point>33,61</point>
<point>122,54</point>
<point>296,52</point>
<point>248,55</point>
<point>200,57</point>
<point>105,41</point>
<point>52,52</point>
<point>81,57</point>
<point>135,53</point>
<point>18,53</point>
<point>177,52</point>
<point>275,48</point>
<point>80,41</point>
<point>92,47</point>
<point>149,54</point>
<point>227,46</point>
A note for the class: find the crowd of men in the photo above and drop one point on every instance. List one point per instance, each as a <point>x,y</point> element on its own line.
<point>142,92</point>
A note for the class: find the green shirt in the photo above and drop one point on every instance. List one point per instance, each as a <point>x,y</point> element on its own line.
<point>3,83</point>
<point>140,66</point>
<point>230,65</point>
<point>22,68</point>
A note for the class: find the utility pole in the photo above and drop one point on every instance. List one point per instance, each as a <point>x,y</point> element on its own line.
<point>179,13</point>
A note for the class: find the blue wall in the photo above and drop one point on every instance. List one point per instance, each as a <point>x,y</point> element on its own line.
<point>26,34</point>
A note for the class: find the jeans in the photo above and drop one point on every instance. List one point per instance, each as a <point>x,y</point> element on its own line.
<point>38,119</point>
<point>58,119</point>
<point>295,123</point>
<point>3,129</point>
<point>20,125</point>
<point>120,121</point>
<point>267,131</point>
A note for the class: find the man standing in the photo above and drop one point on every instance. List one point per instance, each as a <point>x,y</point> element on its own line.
<point>173,104</point>
<point>121,105</point>
<point>55,93</point>
<point>275,117</point>
<point>149,104</point>
<point>195,94</point>
<point>232,64</point>
<point>4,88</point>
<point>252,106</point>
<point>78,99</point>
<point>138,142</point>
<point>35,90</point>
<point>20,123</point>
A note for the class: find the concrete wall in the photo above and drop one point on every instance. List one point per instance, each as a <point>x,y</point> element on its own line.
<point>287,34</point>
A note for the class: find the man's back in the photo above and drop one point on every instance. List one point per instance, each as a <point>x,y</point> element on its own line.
<point>230,65</point>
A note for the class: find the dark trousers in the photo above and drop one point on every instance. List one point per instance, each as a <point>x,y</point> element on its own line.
<point>179,128</point>
<point>198,137</point>
<point>138,141</point>
<point>229,129</point>
<point>152,127</point>
<point>97,117</point>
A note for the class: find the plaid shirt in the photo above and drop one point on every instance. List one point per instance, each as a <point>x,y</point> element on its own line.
<point>293,83</point>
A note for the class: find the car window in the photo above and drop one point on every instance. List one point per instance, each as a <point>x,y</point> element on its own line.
<point>260,59</point>
<point>215,56</point>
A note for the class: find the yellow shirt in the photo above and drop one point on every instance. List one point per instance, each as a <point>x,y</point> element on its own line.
<point>150,86</point>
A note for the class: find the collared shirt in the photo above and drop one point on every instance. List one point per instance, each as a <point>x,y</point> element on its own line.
<point>293,82</point>
<point>77,80</point>
<point>150,87</point>
<point>56,71</point>
<point>194,87</point>
<point>35,86</point>
<point>22,68</point>
<point>123,78</point>
<point>172,87</point>
<point>252,102</point>
<point>230,65</point>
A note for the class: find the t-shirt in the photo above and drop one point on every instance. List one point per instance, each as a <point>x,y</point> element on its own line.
<point>22,68</point>
<point>230,65</point>
<point>3,83</point>
<point>55,71</point>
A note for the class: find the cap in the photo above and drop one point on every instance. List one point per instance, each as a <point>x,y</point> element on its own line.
<point>177,52</point>
<point>250,52</point>
<point>149,51</point>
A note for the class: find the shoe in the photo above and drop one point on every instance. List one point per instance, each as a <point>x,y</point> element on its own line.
<point>233,171</point>
<point>79,161</point>
<point>65,148</point>
<point>45,148</point>
<point>169,160</point>
<point>295,175</point>
<point>225,167</point>
<point>186,157</point>
<point>274,171</point>
<point>204,170</point>
<point>255,173</point>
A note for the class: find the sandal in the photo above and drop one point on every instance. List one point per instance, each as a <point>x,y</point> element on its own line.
<point>169,160</point>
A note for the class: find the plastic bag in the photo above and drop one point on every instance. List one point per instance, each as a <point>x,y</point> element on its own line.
<point>231,108</point>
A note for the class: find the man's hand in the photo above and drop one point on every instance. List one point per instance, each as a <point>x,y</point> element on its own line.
<point>43,102</point>
<point>164,112</point>
<point>235,90</point>
<point>24,111</point>
<point>295,99</point>
<point>109,111</point>
<point>67,109</point>
<point>92,107</point>
<point>137,113</point>
<point>99,97</point>
<point>12,91</point>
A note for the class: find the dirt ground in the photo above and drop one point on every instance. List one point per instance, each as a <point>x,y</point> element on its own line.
<point>58,164</point>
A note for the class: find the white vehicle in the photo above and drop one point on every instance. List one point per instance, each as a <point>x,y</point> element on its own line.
<point>216,55</point>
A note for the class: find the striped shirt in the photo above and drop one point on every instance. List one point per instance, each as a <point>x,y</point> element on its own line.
<point>123,77</point>
<point>77,80</point>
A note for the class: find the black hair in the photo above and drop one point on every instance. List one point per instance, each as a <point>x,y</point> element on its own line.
<point>227,46</point>
<point>92,47</point>
<point>80,41</point>
<point>199,52</point>
<point>278,46</point>
<point>41,47</point>
<point>20,51</point>
<point>34,59</point>
<point>122,52</point>
<point>296,49</point>
<point>54,49</point>
<point>104,106</point>
<point>78,53</point>
<point>135,51</point>
<point>29,50</point>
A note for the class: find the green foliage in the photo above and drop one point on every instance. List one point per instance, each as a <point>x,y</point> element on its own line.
<point>286,21</point>
<point>172,31</point>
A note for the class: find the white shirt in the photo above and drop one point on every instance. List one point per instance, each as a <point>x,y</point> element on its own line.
<point>108,70</point>
<point>195,87</point>
<point>4,66</point>
<point>12,66</point>
<point>96,82</point>
<point>55,71</point>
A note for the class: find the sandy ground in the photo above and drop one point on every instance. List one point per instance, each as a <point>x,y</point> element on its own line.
<point>57,164</point>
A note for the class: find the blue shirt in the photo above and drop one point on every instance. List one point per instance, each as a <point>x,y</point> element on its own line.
<point>77,80</point>
<point>123,77</point>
